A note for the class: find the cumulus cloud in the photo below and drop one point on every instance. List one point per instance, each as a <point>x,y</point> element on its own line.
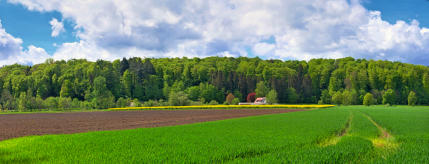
<point>11,51</point>
<point>57,27</point>
<point>263,49</point>
<point>110,29</point>
<point>9,45</point>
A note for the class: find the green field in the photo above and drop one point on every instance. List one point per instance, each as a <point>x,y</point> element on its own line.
<point>350,134</point>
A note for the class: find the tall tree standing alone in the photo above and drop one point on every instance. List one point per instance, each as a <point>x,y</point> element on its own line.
<point>412,98</point>
<point>272,97</point>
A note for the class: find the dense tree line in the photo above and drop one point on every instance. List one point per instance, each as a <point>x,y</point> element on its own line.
<point>187,81</point>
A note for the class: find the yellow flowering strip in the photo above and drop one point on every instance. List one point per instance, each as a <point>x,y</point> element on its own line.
<point>225,106</point>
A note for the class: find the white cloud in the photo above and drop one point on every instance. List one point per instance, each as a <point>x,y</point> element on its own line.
<point>263,49</point>
<point>9,45</point>
<point>57,27</point>
<point>110,29</point>
<point>11,51</point>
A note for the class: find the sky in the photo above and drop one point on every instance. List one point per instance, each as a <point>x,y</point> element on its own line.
<point>32,31</point>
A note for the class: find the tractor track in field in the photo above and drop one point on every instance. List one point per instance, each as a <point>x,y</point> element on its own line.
<point>19,125</point>
<point>336,138</point>
<point>385,140</point>
<point>383,132</point>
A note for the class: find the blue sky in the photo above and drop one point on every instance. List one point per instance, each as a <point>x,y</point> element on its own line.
<point>407,10</point>
<point>33,30</point>
<point>33,27</point>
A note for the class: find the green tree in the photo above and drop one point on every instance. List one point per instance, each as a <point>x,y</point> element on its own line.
<point>325,98</point>
<point>193,93</point>
<point>261,89</point>
<point>412,98</point>
<point>229,98</point>
<point>389,97</point>
<point>178,86</point>
<point>65,103</point>
<point>42,91</point>
<point>128,83</point>
<point>337,98</point>
<point>66,89</point>
<point>210,92</point>
<point>368,99</point>
<point>22,102</point>
<point>347,98</point>
<point>103,98</point>
<point>51,103</point>
<point>7,100</point>
<point>292,96</point>
<point>272,97</point>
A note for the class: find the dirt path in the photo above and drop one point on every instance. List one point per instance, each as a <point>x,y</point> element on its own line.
<point>18,125</point>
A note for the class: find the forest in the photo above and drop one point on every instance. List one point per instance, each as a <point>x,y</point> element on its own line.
<point>82,84</point>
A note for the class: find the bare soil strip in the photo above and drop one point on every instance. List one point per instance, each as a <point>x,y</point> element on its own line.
<point>19,125</point>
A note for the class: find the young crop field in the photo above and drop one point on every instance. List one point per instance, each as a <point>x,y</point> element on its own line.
<point>344,134</point>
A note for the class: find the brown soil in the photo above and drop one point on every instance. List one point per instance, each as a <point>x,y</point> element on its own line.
<point>18,125</point>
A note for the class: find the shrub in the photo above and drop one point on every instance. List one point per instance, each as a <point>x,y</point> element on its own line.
<point>75,103</point>
<point>178,99</point>
<point>236,101</point>
<point>122,102</point>
<point>87,105</point>
<point>197,103</point>
<point>51,103</point>
<point>213,102</point>
<point>135,103</point>
<point>150,103</point>
<point>64,103</point>
<point>238,95</point>
<point>368,99</point>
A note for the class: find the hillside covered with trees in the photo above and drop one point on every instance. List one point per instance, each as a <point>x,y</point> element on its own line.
<point>184,81</point>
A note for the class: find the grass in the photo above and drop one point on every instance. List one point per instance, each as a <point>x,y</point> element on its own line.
<point>304,137</point>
